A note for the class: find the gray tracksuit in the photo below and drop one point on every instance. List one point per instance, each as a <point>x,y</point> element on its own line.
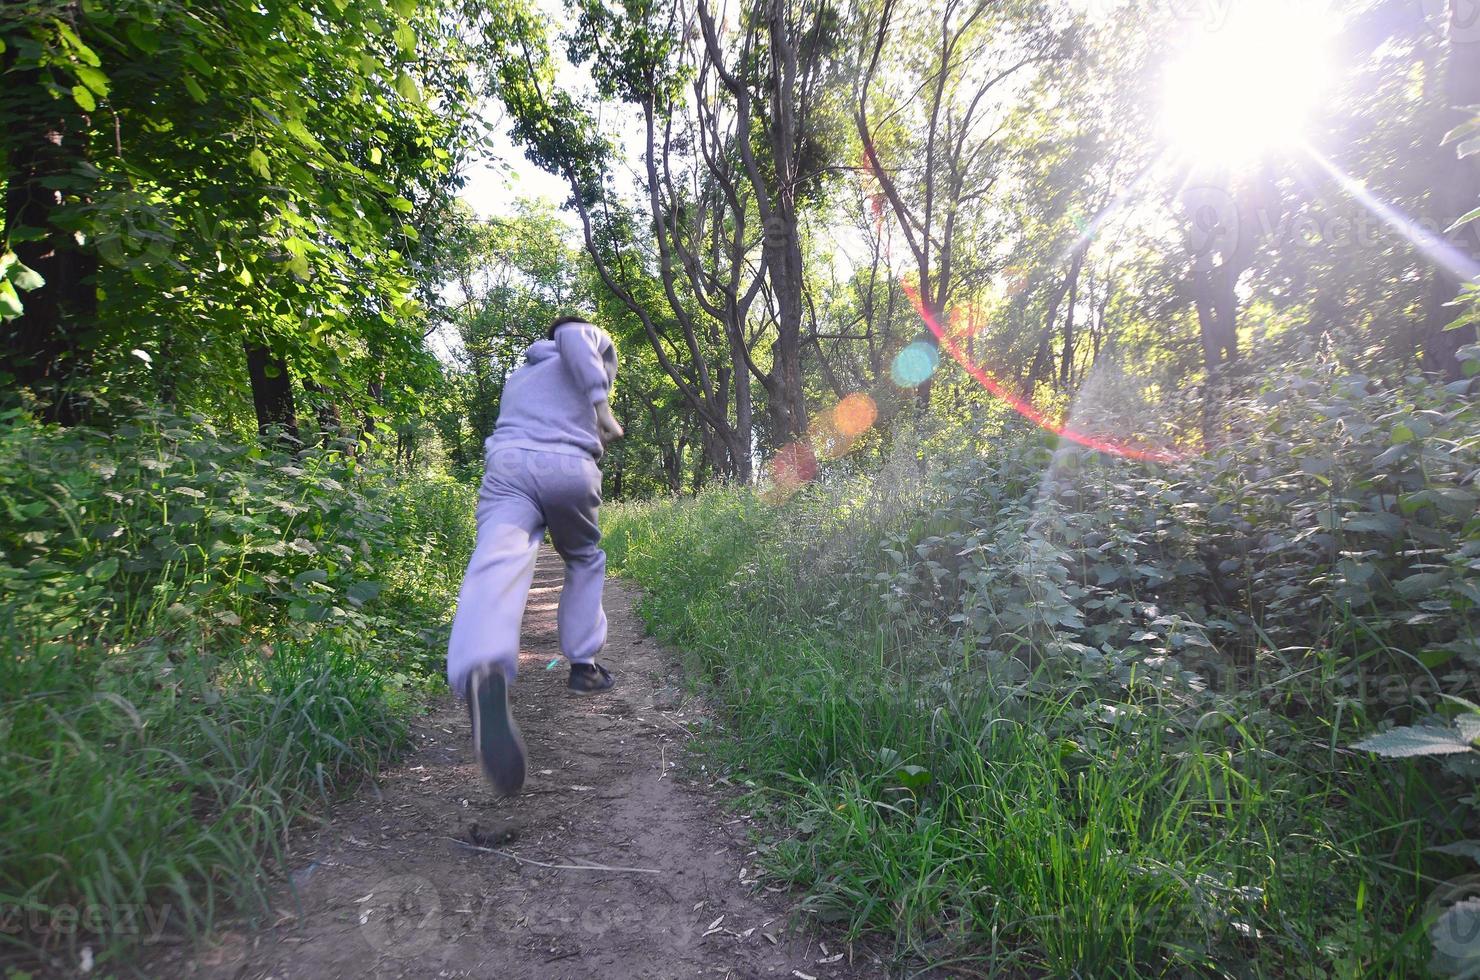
<point>540,472</point>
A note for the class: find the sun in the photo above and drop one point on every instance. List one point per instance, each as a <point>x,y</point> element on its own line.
<point>1248,86</point>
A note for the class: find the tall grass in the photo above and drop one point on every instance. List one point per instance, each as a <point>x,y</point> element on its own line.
<point>974,739</point>
<point>205,643</point>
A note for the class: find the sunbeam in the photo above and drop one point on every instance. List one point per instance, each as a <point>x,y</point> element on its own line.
<point>1434,248</point>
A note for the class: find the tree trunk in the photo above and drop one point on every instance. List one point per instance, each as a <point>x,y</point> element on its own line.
<point>272,394</point>
<point>1042,365</point>
<point>744,403</point>
<point>1216,295</point>
<point>1066,366</point>
<point>375,388</point>
<point>711,457</point>
<point>788,402</point>
<point>44,348</point>
<point>328,414</point>
<point>783,232</point>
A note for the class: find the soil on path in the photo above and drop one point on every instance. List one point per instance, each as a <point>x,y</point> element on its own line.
<point>428,874</point>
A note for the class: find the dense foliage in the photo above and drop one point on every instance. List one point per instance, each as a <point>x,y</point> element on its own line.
<point>189,183</point>
<point>203,641</point>
<point>1022,703</point>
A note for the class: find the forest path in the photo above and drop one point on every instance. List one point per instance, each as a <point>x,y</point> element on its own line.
<point>395,885</point>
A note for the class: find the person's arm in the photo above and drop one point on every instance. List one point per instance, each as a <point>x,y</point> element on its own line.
<point>582,350</point>
<point>607,426</point>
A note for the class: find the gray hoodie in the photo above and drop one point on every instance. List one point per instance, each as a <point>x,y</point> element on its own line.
<point>548,401</point>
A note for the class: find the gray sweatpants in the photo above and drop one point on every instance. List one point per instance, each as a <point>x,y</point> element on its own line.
<point>525,491</point>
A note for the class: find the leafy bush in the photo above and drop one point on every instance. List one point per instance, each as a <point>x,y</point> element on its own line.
<point>166,520</point>
<point>204,641</point>
<point>1094,716</point>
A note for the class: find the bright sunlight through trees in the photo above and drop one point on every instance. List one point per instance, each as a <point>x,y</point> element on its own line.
<point>1249,85</point>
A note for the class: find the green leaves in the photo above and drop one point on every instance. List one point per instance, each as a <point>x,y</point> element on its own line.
<point>405,38</point>
<point>299,131</point>
<point>913,778</point>
<point>10,303</point>
<point>15,277</point>
<point>13,270</point>
<point>407,88</point>
<point>75,46</point>
<point>1421,584</point>
<point>26,278</point>
<point>359,593</point>
<point>110,530</point>
<point>1403,743</point>
<point>93,79</point>
<point>206,142</point>
<point>257,160</point>
<point>103,570</point>
<point>194,88</point>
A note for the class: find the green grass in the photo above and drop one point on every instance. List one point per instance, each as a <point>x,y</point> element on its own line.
<point>985,817</point>
<point>205,644</point>
<point>162,780</point>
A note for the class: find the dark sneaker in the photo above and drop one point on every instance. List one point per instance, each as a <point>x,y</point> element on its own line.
<point>496,740</point>
<point>590,678</point>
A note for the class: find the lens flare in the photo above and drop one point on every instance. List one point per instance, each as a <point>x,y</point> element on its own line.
<point>793,465</point>
<point>855,415</point>
<point>918,362</point>
<point>834,432</point>
<point>1438,251</point>
<point>1025,408</point>
<point>915,365</point>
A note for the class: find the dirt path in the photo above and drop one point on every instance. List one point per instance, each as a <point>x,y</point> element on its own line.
<point>395,885</point>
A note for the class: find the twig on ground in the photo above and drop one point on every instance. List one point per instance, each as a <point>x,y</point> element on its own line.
<point>544,864</point>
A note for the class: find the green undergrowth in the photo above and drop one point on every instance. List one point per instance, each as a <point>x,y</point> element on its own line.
<point>1023,707</point>
<point>205,642</point>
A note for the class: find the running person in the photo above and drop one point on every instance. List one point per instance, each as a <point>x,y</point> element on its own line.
<point>540,473</point>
